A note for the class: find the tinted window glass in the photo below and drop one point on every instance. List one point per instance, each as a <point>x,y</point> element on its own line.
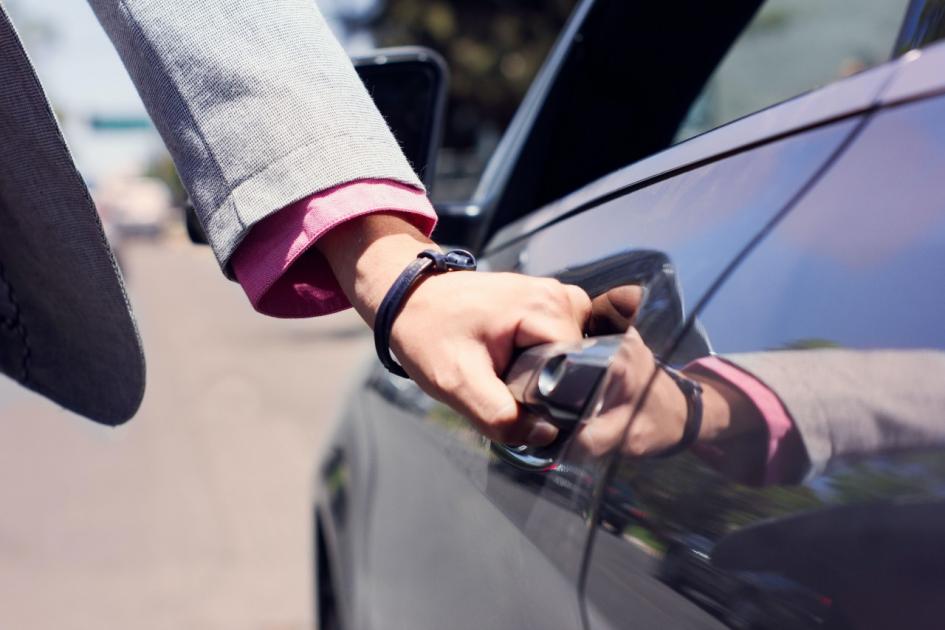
<point>790,47</point>
<point>924,24</point>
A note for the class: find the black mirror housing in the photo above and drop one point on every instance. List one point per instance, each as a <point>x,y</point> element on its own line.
<point>408,85</point>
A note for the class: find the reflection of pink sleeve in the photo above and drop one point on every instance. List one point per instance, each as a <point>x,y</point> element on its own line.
<point>783,439</point>
<point>284,276</point>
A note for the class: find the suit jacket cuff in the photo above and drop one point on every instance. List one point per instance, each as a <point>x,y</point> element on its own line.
<point>783,443</point>
<point>280,271</point>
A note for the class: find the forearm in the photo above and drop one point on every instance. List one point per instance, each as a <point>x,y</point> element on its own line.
<point>851,403</point>
<point>367,254</point>
<point>257,102</point>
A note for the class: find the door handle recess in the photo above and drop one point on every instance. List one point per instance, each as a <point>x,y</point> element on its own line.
<point>557,382</point>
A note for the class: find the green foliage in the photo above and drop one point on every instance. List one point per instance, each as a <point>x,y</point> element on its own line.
<point>683,495</point>
<point>493,50</point>
<point>812,343</point>
<point>864,482</point>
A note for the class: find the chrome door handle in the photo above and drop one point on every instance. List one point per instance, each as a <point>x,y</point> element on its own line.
<point>559,381</point>
<point>556,381</point>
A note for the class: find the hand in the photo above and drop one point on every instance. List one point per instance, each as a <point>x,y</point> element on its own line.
<point>615,310</point>
<point>632,414</point>
<point>642,412</point>
<point>457,331</point>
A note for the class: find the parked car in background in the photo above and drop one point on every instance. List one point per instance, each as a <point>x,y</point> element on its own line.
<point>137,207</point>
<point>770,174</point>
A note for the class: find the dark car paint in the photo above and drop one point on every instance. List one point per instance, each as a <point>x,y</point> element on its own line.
<point>855,213</point>
<point>537,539</point>
<point>544,530</point>
<point>489,552</point>
<point>862,256</point>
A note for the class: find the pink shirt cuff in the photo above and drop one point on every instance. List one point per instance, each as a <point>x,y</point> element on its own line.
<point>781,430</point>
<point>280,271</point>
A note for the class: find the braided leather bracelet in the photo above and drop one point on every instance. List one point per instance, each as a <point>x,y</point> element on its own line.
<point>693,393</point>
<point>427,261</point>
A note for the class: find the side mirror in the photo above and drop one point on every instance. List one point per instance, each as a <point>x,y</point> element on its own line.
<point>408,85</point>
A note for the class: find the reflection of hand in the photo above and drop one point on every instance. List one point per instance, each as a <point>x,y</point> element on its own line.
<point>658,417</point>
<point>457,331</point>
<point>641,410</point>
<point>614,311</point>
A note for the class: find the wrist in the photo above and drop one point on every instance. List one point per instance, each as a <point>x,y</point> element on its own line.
<point>728,414</point>
<point>367,254</point>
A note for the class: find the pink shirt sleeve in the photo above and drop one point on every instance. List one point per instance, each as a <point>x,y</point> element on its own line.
<point>280,271</point>
<point>783,438</point>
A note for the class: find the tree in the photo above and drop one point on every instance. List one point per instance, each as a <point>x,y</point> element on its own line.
<point>493,47</point>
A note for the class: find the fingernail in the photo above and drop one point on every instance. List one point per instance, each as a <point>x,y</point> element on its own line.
<point>542,434</point>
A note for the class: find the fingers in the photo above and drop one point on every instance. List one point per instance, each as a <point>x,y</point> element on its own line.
<point>580,304</point>
<point>554,312</point>
<point>488,403</point>
<point>457,332</point>
<point>619,422</point>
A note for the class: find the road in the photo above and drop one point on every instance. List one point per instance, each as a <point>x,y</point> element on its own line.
<point>196,513</point>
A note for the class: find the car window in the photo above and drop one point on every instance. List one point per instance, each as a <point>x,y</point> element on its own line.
<point>638,77</point>
<point>791,47</point>
<point>924,24</point>
<point>824,509</point>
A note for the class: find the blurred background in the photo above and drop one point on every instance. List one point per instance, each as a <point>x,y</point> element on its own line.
<point>197,513</point>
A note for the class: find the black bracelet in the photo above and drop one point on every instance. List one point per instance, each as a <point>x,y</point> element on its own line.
<point>430,261</point>
<point>693,393</point>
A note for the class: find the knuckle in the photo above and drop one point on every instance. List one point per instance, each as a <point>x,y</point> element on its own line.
<point>581,300</point>
<point>551,290</point>
<point>632,337</point>
<point>447,380</point>
<point>635,444</point>
<point>620,368</point>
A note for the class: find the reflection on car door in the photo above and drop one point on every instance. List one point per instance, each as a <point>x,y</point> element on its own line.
<point>502,547</point>
<point>838,312</point>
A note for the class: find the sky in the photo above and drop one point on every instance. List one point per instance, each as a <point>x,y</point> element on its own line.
<point>83,76</point>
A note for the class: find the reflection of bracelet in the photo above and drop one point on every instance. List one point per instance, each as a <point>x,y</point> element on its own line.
<point>428,260</point>
<point>693,393</point>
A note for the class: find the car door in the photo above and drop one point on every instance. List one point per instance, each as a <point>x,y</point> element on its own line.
<point>838,313</point>
<point>457,537</point>
<point>500,546</point>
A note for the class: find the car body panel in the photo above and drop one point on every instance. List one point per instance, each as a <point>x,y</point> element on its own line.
<point>429,461</point>
<point>703,216</point>
<point>443,534</point>
<point>920,74</point>
<point>443,581</point>
<point>856,265</point>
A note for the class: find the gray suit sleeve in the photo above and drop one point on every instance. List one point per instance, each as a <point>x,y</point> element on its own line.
<point>856,402</point>
<point>257,102</point>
